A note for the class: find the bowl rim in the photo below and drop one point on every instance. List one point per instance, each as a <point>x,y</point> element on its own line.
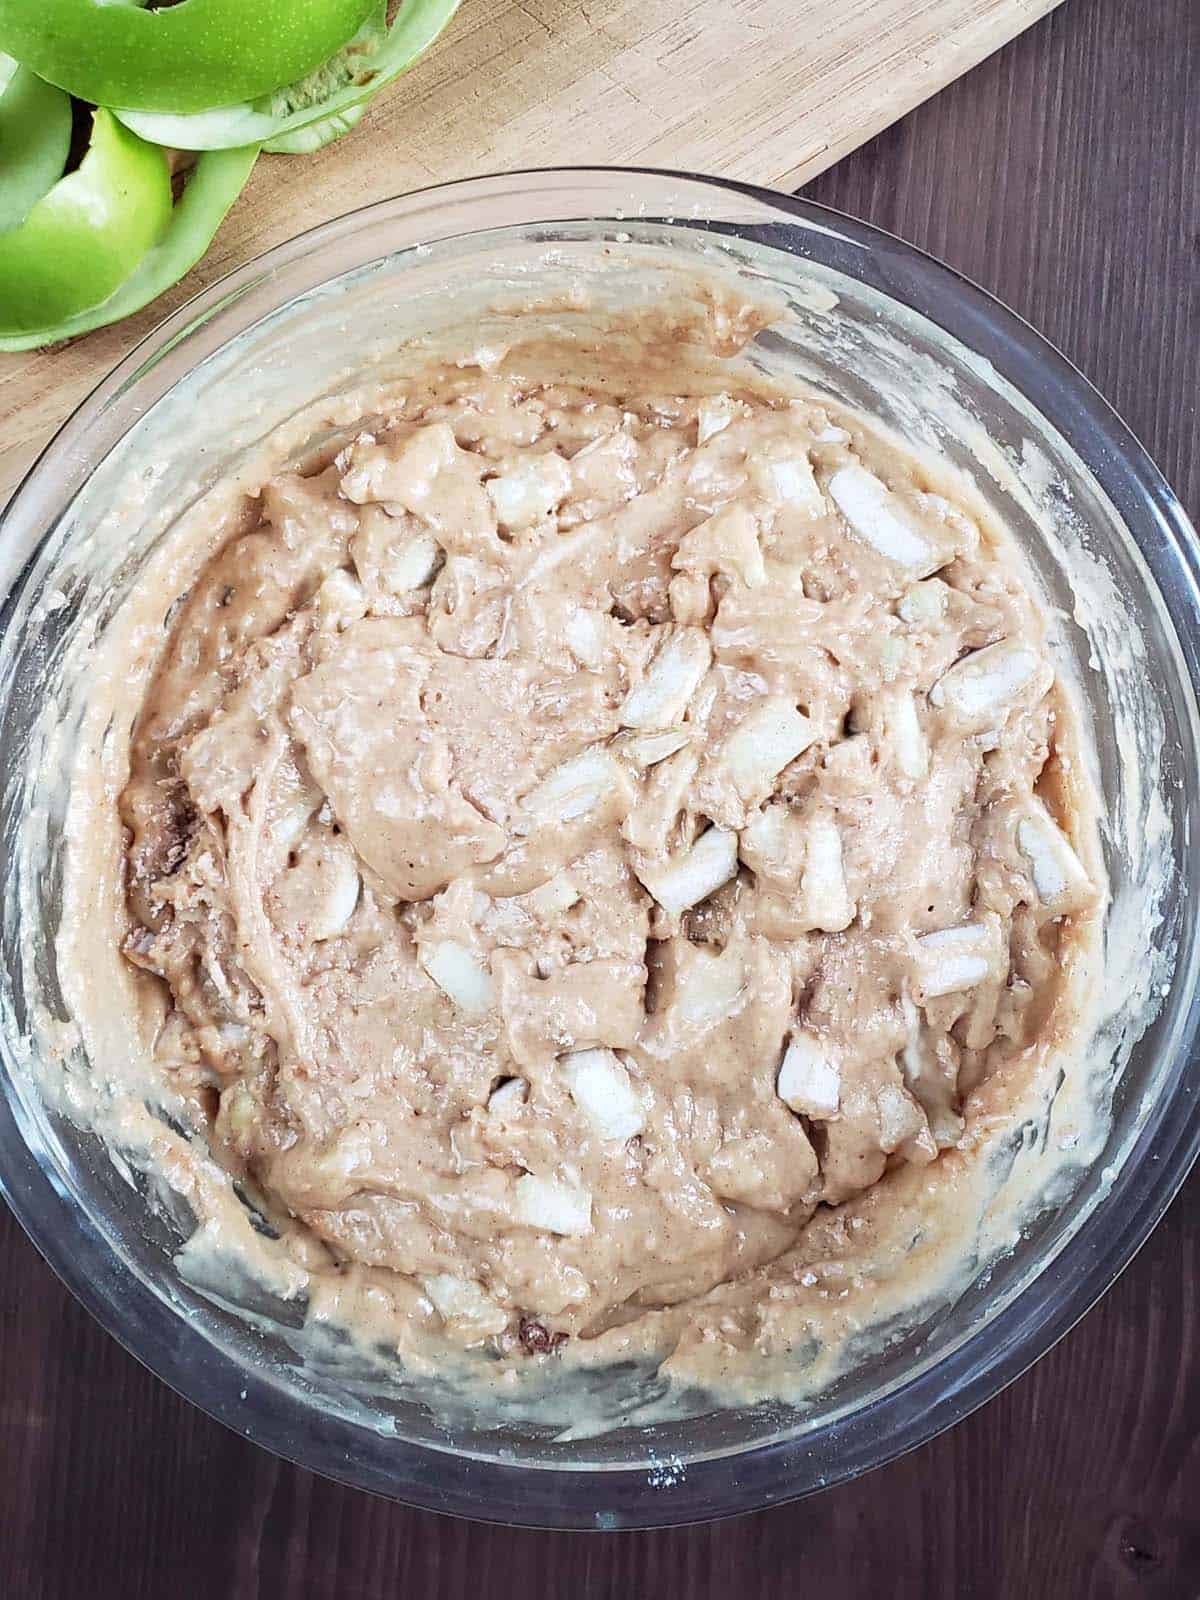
<point>612,1496</point>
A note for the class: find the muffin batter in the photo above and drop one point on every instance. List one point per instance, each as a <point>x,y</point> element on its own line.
<point>578,834</point>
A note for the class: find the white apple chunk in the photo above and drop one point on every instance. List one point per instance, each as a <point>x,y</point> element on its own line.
<point>402,477</point>
<point>902,729</point>
<point>925,603</point>
<point>825,897</point>
<point>952,960</point>
<point>413,563</point>
<point>529,491</point>
<point>584,785</point>
<point>726,543</point>
<point>601,1087</point>
<point>644,750</point>
<point>584,636</point>
<point>316,895</point>
<point>772,845</point>
<point>462,1302</point>
<point>661,698</point>
<point>714,413</point>
<point>459,973</point>
<point>790,481</point>
<point>341,600</point>
<point>552,1206</point>
<point>649,825</point>
<point>772,734</point>
<point>687,879</point>
<point>506,1100</point>
<point>551,899</point>
<point>1058,875</point>
<point>985,685</point>
<point>878,518</point>
<point>809,1082</point>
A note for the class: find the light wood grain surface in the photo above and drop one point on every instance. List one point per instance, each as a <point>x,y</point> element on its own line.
<point>770,91</point>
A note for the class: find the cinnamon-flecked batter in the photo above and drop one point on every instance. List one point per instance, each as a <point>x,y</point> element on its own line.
<point>581,834</point>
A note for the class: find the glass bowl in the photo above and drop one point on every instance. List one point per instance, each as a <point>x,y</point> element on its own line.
<point>873,322</point>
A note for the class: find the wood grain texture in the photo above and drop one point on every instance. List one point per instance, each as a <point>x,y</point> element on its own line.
<point>1064,174</point>
<point>771,91</point>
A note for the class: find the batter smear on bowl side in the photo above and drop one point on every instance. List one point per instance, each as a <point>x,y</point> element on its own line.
<point>591,845</point>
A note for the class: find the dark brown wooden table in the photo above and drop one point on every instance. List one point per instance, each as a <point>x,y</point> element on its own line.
<point>1064,174</point>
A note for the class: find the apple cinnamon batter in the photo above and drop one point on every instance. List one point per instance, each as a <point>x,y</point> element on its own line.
<point>582,833</point>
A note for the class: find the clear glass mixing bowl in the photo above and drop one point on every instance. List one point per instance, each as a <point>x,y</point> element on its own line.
<point>872,321</point>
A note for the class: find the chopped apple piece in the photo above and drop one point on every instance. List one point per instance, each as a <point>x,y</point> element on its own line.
<point>553,1206</point>
<point>374,474</point>
<point>585,638</point>
<point>690,598</point>
<point>987,683</point>
<point>705,989</point>
<point>726,543</point>
<point>808,1080</point>
<point>601,1087</point>
<point>413,563</point>
<point>772,845</point>
<point>506,1100</point>
<point>673,677</point>
<point>789,481</point>
<point>586,783</point>
<point>459,973</point>
<point>1058,874</point>
<point>341,599</point>
<point>463,1302</point>
<point>714,413</point>
<point>648,826</point>
<point>644,750</point>
<point>878,518</point>
<point>426,474</point>
<point>925,603</point>
<point>551,899</point>
<point>529,491</point>
<point>768,737</point>
<point>826,899</point>
<point>292,818</point>
<point>683,882</point>
<point>902,728</point>
<point>317,894</point>
<point>954,959</point>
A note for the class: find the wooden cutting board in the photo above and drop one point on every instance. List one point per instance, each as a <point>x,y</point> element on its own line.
<point>770,91</point>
